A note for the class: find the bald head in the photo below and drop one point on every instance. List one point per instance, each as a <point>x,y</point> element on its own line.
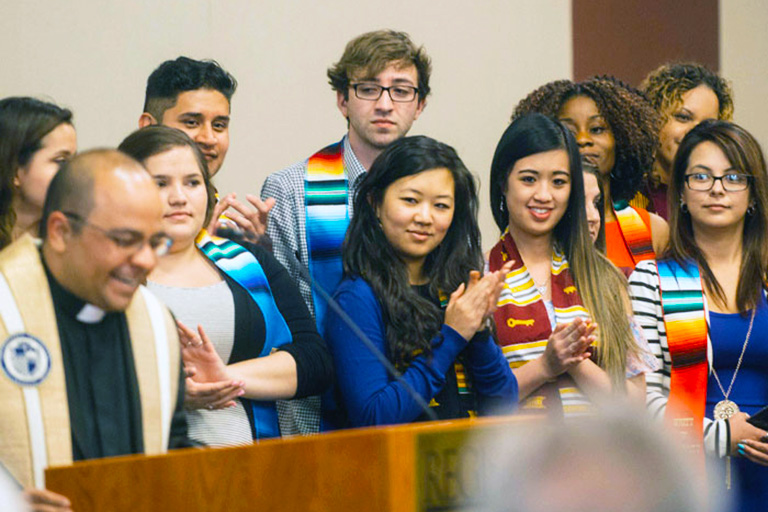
<point>103,228</point>
<point>72,189</point>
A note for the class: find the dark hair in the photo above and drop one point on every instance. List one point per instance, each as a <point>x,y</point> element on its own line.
<point>155,139</point>
<point>372,52</point>
<point>743,153</point>
<point>173,77</point>
<point>411,320</point>
<point>588,167</point>
<point>634,123</point>
<point>529,135</point>
<point>665,86</point>
<point>23,124</point>
<point>592,273</point>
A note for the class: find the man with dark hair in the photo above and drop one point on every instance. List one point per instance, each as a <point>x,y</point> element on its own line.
<point>91,368</point>
<point>381,84</point>
<point>195,96</point>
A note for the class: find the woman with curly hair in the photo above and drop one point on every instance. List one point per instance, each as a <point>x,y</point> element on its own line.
<point>616,129</point>
<point>36,138</point>
<point>684,94</point>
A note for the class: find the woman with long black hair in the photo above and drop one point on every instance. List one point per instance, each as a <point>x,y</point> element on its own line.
<point>413,287</point>
<point>564,317</point>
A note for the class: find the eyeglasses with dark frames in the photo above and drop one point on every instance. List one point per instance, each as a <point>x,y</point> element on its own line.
<point>397,93</point>
<point>731,181</point>
<point>126,239</point>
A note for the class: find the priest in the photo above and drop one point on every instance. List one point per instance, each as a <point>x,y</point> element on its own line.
<point>90,359</point>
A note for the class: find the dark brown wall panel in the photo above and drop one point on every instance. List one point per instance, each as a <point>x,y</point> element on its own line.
<point>629,38</point>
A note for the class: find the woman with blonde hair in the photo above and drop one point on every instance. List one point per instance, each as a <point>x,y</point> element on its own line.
<point>684,95</point>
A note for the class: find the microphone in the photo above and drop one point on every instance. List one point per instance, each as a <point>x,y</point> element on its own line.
<point>303,270</point>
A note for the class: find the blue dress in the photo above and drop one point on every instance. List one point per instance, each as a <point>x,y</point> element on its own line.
<point>750,390</point>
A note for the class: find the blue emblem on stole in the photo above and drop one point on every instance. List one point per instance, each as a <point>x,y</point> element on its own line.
<point>25,359</point>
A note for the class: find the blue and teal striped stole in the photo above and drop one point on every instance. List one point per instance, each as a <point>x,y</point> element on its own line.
<point>326,194</point>
<point>243,267</point>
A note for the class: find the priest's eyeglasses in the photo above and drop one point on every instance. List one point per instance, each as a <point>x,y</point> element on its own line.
<point>127,239</point>
<point>731,181</point>
<point>397,93</point>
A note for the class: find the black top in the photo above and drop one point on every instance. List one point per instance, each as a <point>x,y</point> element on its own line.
<point>447,403</point>
<point>313,362</point>
<point>102,388</point>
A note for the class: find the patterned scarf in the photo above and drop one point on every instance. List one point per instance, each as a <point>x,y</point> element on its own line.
<point>523,325</point>
<point>326,194</point>
<point>637,236</point>
<point>242,266</point>
<point>682,302</point>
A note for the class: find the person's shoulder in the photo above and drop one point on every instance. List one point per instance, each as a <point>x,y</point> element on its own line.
<point>287,176</point>
<point>645,272</point>
<point>354,285</point>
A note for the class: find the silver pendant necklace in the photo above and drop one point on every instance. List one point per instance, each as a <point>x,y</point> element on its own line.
<point>726,408</point>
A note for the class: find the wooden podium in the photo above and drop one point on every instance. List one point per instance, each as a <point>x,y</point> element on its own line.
<point>416,467</point>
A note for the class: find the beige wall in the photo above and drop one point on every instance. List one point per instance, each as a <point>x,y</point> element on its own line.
<point>94,57</point>
<point>744,61</point>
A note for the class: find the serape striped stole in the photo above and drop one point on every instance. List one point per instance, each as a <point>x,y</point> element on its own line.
<point>326,194</point>
<point>637,236</point>
<point>467,396</point>
<point>682,303</point>
<point>243,267</point>
<point>523,325</point>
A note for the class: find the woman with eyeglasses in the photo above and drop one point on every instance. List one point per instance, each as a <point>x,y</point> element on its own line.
<point>247,336</point>
<point>617,130</point>
<point>563,317</point>
<point>36,138</point>
<point>703,304</point>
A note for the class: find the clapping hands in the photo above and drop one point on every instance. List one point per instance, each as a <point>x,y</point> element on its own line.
<point>208,385</point>
<point>471,304</point>
<point>568,345</point>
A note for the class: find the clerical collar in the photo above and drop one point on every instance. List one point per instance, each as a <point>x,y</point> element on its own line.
<point>71,304</point>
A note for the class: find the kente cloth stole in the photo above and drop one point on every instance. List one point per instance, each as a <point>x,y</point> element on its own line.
<point>682,302</point>
<point>326,192</point>
<point>637,236</point>
<point>242,266</point>
<point>523,326</point>
<point>467,396</point>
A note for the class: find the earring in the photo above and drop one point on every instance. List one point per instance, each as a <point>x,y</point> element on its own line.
<point>751,209</point>
<point>683,207</point>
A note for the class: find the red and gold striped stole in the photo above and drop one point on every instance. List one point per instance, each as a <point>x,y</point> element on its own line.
<point>523,326</point>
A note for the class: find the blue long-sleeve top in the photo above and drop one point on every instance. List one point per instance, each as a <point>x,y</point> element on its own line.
<point>370,396</point>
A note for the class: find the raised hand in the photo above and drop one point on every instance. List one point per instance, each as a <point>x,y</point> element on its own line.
<point>470,304</point>
<point>208,384</point>
<point>252,223</point>
<point>568,345</point>
<point>500,276</point>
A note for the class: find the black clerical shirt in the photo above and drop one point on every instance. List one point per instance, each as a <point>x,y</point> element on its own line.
<point>102,388</point>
